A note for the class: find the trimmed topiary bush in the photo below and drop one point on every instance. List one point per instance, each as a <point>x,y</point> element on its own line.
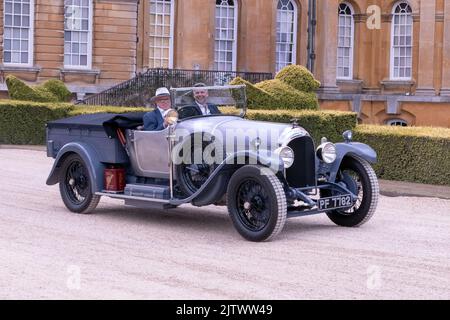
<point>294,88</point>
<point>287,97</point>
<point>58,88</point>
<point>18,90</point>
<point>299,78</point>
<point>256,97</point>
<point>50,91</point>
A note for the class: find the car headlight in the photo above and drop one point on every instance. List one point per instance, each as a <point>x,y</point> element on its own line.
<point>287,155</point>
<point>327,152</point>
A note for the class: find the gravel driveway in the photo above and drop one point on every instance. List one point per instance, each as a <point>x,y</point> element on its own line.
<point>192,253</point>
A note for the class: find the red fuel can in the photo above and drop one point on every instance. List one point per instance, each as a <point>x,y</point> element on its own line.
<point>114,179</point>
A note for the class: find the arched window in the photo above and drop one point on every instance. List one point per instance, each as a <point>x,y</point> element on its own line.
<point>397,123</point>
<point>346,28</point>
<point>162,13</point>
<point>286,34</point>
<point>401,42</point>
<point>226,35</point>
<point>18,32</point>
<point>78,34</point>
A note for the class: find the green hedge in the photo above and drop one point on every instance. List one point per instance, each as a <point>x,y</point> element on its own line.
<point>79,110</point>
<point>329,124</point>
<point>420,155</point>
<point>23,122</point>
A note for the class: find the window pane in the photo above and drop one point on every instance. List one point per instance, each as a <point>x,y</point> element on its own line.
<point>77,33</point>
<point>161,33</point>
<point>24,57</point>
<point>402,41</point>
<point>345,41</point>
<point>286,34</point>
<point>7,57</point>
<point>225,38</point>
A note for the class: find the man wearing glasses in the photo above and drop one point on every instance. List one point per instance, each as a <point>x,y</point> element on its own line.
<point>156,120</point>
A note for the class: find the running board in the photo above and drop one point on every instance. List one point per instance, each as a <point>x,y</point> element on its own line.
<point>141,202</point>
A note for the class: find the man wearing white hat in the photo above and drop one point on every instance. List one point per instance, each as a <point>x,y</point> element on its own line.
<point>155,120</point>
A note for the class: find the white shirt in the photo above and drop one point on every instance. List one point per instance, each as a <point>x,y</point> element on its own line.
<point>204,109</point>
<point>163,112</point>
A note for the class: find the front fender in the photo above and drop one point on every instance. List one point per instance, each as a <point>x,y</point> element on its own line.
<point>348,150</point>
<point>264,158</point>
<point>90,158</point>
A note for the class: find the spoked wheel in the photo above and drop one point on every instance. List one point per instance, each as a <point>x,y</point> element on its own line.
<point>75,186</point>
<point>257,203</point>
<point>193,172</point>
<point>360,178</point>
<point>194,176</point>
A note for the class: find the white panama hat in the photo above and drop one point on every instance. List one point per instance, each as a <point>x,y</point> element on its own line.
<point>160,93</point>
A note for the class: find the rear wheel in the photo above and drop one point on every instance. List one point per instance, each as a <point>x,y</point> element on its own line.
<point>75,186</point>
<point>256,203</point>
<point>360,178</point>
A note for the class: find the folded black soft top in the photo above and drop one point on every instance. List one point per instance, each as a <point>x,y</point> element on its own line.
<point>108,121</point>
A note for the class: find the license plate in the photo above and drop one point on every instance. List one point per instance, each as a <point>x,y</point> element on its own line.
<point>344,201</point>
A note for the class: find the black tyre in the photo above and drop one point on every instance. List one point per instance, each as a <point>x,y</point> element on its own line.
<point>257,203</point>
<point>360,178</point>
<point>75,186</point>
<point>194,170</point>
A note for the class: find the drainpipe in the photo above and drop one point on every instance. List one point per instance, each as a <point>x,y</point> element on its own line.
<point>312,22</point>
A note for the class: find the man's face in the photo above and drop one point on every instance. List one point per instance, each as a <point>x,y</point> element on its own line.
<point>201,95</point>
<point>164,103</point>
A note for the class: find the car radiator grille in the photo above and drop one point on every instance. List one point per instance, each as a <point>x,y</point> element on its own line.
<point>302,174</point>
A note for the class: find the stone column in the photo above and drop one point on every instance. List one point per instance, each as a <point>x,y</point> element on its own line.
<point>446,52</point>
<point>327,36</point>
<point>425,84</point>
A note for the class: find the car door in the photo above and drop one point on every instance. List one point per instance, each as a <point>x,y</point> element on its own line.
<point>149,153</point>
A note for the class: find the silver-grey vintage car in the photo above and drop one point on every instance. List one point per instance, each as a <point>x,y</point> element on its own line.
<point>264,172</point>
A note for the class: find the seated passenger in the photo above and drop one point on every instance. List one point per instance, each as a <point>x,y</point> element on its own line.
<point>201,100</point>
<point>156,119</point>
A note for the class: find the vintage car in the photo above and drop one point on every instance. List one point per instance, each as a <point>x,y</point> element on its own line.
<point>263,172</point>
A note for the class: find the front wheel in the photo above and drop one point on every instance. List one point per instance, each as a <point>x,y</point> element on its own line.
<point>75,186</point>
<point>256,203</point>
<point>360,178</point>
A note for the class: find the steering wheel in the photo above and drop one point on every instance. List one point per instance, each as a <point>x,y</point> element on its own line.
<point>188,112</point>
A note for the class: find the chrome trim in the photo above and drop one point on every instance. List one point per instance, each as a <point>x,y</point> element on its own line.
<point>121,196</point>
<point>290,134</point>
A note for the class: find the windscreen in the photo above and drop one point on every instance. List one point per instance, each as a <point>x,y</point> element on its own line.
<point>209,101</point>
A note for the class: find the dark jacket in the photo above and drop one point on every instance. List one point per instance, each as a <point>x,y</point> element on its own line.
<point>212,108</point>
<point>153,121</point>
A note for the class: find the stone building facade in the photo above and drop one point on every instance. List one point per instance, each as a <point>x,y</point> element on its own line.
<point>388,60</point>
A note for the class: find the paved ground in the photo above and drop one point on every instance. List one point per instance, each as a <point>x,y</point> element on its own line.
<point>191,253</point>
